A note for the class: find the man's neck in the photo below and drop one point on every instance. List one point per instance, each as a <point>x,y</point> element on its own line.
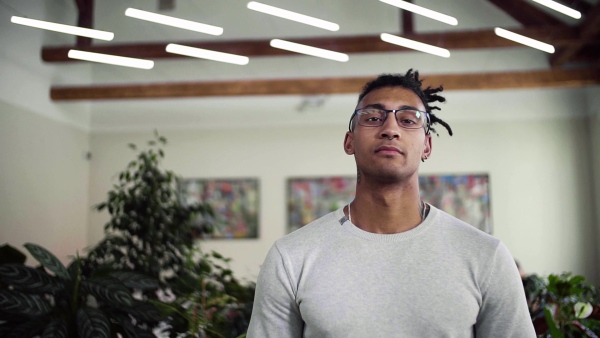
<point>386,208</point>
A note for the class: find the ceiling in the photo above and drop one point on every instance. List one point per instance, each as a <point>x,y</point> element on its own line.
<point>216,94</point>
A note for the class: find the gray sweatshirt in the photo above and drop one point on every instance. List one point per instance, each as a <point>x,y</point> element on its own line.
<point>443,278</point>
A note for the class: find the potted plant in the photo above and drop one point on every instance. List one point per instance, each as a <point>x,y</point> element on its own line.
<point>152,232</point>
<point>563,306</point>
<point>57,301</point>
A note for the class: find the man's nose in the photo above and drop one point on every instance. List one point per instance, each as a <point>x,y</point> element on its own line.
<point>390,128</point>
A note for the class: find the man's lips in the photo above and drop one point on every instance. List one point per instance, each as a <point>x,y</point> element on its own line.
<point>387,150</point>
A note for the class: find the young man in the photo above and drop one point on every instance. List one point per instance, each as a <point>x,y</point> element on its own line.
<point>387,264</point>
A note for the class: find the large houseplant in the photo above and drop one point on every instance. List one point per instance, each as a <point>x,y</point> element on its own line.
<point>152,232</point>
<point>563,306</point>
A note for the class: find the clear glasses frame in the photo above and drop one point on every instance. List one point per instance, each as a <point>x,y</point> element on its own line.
<point>385,112</point>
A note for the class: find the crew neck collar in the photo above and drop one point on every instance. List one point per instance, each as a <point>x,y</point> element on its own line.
<point>398,237</point>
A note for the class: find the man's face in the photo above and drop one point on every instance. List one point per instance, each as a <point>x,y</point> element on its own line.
<point>388,153</point>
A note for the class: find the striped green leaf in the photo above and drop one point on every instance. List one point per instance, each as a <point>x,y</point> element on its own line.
<point>48,260</point>
<point>135,280</point>
<point>20,303</point>
<point>28,279</point>
<point>108,289</point>
<point>56,329</point>
<point>9,254</point>
<point>144,311</point>
<point>92,323</point>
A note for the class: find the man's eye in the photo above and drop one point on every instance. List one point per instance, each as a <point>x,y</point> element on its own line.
<point>372,118</point>
<point>408,121</point>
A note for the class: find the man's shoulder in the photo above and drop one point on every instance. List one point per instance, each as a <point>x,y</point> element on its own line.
<point>310,235</point>
<point>453,228</point>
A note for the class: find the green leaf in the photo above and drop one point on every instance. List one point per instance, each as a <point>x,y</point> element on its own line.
<point>56,329</point>
<point>135,280</point>
<point>554,331</point>
<point>10,254</point>
<point>20,303</point>
<point>132,146</point>
<point>576,280</point>
<point>144,311</point>
<point>48,260</point>
<point>92,323</point>
<point>29,279</point>
<point>109,289</point>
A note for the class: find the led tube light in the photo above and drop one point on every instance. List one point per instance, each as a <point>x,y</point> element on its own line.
<point>559,8</point>
<point>111,59</point>
<point>285,14</point>
<point>174,22</point>
<point>422,11</point>
<point>207,54</point>
<point>422,47</point>
<point>309,50</point>
<point>57,27</point>
<point>524,40</point>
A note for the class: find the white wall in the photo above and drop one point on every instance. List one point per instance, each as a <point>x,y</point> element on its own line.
<point>593,103</point>
<point>539,166</point>
<point>43,182</point>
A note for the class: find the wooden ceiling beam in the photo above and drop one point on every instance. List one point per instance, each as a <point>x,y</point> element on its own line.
<point>408,25</point>
<point>527,14</point>
<point>472,39</point>
<point>346,85</point>
<point>589,30</point>
<point>85,20</point>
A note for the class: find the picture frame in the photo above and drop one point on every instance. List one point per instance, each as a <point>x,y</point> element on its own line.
<point>309,198</point>
<point>235,202</point>
<point>464,196</point>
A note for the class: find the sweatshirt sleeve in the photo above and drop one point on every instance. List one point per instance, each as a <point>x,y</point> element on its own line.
<point>275,312</point>
<point>503,312</point>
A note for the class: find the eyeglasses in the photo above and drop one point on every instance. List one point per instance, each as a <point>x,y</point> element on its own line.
<point>375,117</point>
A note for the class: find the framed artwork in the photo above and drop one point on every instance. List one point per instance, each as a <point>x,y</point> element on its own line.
<point>466,197</point>
<point>235,203</point>
<point>311,198</point>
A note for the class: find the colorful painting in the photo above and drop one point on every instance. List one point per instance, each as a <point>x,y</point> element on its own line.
<point>311,198</point>
<point>234,202</point>
<point>466,197</point>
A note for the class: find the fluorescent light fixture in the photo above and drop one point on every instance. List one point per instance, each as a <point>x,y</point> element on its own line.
<point>422,11</point>
<point>174,22</point>
<point>282,13</point>
<point>559,8</point>
<point>524,40</point>
<point>412,44</point>
<point>309,50</point>
<point>57,27</point>
<point>207,54</point>
<point>111,59</point>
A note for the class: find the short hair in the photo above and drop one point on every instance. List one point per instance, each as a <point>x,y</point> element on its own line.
<point>412,82</point>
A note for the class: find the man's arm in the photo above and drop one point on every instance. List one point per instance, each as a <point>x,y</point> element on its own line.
<point>275,312</point>
<point>503,311</point>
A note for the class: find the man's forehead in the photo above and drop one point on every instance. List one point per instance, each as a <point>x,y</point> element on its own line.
<point>392,98</point>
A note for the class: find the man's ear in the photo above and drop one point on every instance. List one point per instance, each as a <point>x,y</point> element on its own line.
<point>427,146</point>
<point>349,143</point>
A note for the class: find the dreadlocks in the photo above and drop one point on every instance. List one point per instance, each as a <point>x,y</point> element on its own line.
<point>411,81</point>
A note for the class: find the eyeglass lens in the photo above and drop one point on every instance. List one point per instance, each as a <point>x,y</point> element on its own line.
<point>410,119</point>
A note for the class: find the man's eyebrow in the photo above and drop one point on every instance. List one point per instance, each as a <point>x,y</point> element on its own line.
<point>380,106</point>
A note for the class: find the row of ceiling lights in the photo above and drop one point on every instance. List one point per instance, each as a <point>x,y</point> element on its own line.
<point>276,43</point>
